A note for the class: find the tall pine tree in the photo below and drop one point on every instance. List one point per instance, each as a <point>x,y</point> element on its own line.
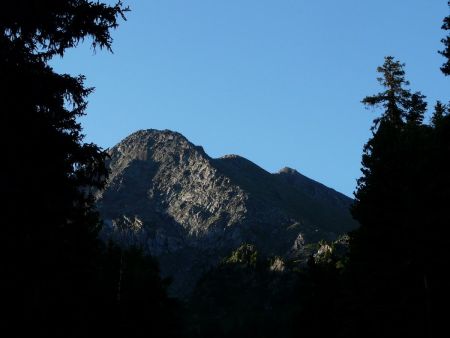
<point>440,110</point>
<point>386,263</point>
<point>49,227</point>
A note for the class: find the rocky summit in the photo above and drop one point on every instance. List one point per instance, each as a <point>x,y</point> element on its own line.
<point>168,197</point>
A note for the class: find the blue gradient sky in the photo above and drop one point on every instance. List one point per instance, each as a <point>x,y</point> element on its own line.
<point>279,82</point>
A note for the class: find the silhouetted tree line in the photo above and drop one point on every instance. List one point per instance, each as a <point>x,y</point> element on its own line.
<point>60,280</point>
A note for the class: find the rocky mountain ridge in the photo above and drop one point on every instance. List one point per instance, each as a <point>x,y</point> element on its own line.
<point>170,198</point>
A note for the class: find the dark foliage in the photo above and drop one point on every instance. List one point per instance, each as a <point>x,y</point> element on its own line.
<point>396,257</point>
<point>446,41</point>
<point>131,299</point>
<point>440,111</point>
<point>243,297</point>
<point>395,98</point>
<point>54,267</point>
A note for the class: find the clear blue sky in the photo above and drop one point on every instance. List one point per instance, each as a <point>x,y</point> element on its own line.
<point>279,82</point>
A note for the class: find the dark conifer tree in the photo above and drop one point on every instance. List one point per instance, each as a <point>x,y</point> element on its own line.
<point>395,98</point>
<point>417,108</point>
<point>49,226</point>
<point>132,298</point>
<point>394,280</point>
<point>385,262</point>
<point>440,110</point>
<point>446,41</point>
<point>395,102</point>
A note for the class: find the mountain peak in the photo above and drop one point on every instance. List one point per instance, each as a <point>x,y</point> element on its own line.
<point>288,170</point>
<point>145,134</point>
<point>167,196</point>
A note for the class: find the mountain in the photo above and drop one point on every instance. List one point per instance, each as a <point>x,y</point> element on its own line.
<point>170,198</point>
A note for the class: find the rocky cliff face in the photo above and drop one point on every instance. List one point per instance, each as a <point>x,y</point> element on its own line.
<point>170,198</point>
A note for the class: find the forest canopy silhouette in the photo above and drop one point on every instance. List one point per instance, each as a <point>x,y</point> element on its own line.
<point>387,278</point>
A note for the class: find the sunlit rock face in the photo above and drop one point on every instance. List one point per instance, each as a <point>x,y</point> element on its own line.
<point>171,199</point>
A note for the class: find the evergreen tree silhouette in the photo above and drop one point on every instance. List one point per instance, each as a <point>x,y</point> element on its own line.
<point>417,108</point>
<point>446,41</point>
<point>440,111</point>
<point>395,98</point>
<point>132,297</point>
<point>385,260</point>
<point>49,234</point>
<point>396,256</point>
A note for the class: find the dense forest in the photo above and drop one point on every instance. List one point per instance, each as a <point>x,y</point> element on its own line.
<point>387,278</point>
